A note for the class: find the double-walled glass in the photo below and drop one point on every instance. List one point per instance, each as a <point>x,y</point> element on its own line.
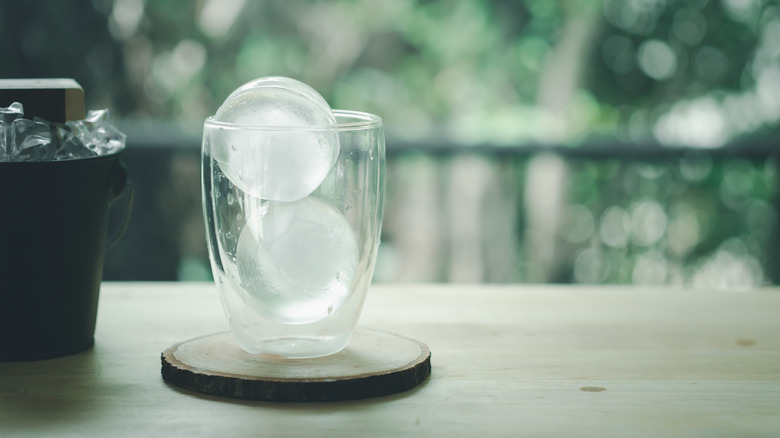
<point>293,275</point>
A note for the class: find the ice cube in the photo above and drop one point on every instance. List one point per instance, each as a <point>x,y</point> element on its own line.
<point>96,134</point>
<point>11,113</point>
<point>30,140</point>
<point>295,261</point>
<point>40,140</point>
<point>263,158</point>
<point>72,148</point>
<point>7,116</point>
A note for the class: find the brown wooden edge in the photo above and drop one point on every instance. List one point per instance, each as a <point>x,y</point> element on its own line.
<point>361,386</point>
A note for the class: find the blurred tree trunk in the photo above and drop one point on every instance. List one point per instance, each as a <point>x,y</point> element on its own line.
<point>545,183</point>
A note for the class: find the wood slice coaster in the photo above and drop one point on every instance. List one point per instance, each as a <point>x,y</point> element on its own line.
<point>374,363</point>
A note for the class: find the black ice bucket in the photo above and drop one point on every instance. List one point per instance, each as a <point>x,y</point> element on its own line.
<point>53,226</point>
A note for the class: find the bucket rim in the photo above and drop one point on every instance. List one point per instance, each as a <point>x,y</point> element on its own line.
<point>59,163</point>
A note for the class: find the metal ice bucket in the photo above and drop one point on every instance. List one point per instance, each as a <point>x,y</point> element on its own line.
<point>53,226</point>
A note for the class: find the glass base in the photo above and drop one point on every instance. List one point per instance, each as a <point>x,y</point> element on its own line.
<point>296,347</point>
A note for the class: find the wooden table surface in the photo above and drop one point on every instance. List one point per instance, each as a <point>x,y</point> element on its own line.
<point>507,361</point>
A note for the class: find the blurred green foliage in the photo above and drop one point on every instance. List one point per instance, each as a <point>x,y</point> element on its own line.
<point>473,71</point>
<point>696,74</point>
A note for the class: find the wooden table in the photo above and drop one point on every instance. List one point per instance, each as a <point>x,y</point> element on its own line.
<point>507,361</point>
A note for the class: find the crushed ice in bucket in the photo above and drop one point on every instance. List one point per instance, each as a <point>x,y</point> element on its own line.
<point>40,140</point>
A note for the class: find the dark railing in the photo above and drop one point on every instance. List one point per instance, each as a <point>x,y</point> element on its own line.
<point>165,238</point>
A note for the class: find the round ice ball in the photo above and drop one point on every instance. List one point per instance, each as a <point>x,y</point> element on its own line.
<point>296,261</point>
<point>274,143</point>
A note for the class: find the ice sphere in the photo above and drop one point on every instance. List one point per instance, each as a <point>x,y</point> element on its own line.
<point>266,160</point>
<point>295,261</point>
<point>260,88</point>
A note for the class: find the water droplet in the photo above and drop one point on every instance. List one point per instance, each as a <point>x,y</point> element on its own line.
<point>239,216</point>
<point>233,147</point>
<point>240,175</point>
<point>330,310</point>
<point>370,154</point>
<point>264,207</point>
<point>231,199</point>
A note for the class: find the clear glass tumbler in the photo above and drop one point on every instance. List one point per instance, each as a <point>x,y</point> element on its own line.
<point>293,275</point>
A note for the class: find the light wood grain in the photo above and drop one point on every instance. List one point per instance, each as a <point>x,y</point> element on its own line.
<point>670,362</point>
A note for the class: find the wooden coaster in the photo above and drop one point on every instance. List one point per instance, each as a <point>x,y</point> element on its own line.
<point>374,363</point>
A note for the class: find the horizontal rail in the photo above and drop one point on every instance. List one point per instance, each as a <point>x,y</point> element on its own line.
<point>175,136</point>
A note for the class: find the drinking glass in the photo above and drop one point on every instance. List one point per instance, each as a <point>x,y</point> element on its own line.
<point>292,275</point>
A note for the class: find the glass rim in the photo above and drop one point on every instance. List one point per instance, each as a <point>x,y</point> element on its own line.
<point>356,121</point>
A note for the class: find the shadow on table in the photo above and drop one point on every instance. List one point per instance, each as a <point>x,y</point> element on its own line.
<point>46,396</point>
<point>303,406</point>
